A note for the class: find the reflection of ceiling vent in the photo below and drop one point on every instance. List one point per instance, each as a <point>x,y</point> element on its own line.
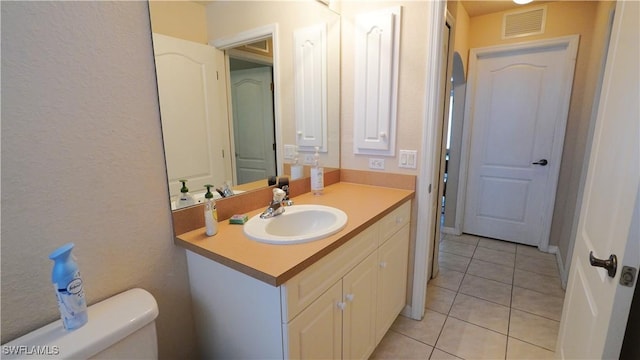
<point>524,22</point>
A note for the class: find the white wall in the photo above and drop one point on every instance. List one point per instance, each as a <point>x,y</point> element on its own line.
<point>82,161</point>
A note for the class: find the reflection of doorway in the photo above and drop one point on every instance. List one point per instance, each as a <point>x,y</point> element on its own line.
<point>451,219</point>
<point>253,126</point>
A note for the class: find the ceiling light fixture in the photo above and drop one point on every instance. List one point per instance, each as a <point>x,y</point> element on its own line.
<point>522,2</point>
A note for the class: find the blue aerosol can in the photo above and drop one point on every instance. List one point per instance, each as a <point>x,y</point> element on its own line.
<point>69,288</point>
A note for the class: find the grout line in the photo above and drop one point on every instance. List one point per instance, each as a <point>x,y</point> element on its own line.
<point>532,344</point>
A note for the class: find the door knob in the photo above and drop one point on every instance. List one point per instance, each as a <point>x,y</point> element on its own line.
<point>611,264</point>
<point>542,162</point>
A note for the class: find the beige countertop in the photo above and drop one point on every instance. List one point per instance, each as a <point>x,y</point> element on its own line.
<point>275,264</point>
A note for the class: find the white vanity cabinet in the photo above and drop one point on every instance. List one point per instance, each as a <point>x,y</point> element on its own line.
<point>339,307</point>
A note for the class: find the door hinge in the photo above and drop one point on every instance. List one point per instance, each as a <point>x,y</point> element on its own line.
<point>217,76</point>
<point>223,153</point>
<point>429,189</point>
<point>271,87</point>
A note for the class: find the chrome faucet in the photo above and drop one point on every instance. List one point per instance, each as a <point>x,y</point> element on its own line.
<point>276,207</point>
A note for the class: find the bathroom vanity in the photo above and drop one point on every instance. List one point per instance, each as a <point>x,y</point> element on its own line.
<point>330,298</point>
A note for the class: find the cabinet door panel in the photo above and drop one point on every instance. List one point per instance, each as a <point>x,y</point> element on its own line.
<point>316,333</point>
<point>359,288</point>
<point>392,279</point>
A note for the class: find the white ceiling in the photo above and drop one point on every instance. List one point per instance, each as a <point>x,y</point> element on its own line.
<point>480,7</point>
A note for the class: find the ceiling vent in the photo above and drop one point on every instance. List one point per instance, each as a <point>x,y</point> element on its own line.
<point>524,22</point>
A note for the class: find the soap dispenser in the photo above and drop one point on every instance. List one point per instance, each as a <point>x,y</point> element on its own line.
<point>185,198</point>
<point>317,175</point>
<point>210,213</point>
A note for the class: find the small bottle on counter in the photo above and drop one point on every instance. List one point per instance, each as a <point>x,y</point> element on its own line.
<point>210,213</point>
<point>317,175</point>
<point>297,171</point>
<point>185,198</point>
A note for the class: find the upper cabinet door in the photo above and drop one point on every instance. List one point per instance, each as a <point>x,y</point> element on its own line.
<point>310,52</point>
<point>376,65</point>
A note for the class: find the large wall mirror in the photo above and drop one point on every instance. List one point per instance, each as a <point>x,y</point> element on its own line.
<point>226,81</point>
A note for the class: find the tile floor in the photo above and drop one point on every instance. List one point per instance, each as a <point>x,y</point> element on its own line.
<point>491,300</point>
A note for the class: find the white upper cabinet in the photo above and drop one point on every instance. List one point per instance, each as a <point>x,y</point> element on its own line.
<point>310,61</point>
<point>376,88</point>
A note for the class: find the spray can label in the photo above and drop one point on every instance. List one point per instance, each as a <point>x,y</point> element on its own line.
<point>71,302</point>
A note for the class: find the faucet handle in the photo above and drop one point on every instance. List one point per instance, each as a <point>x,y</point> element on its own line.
<point>278,195</point>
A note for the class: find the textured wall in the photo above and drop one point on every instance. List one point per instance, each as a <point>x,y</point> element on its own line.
<point>82,161</point>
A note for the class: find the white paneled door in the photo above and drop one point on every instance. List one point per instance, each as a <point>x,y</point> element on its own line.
<point>253,125</point>
<point>596,305</point>
<point>517,110</point>
<point>194,111</point>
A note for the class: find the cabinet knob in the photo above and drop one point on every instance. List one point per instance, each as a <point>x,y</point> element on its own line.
<point>383,134</point>
<point>299,133</point>
<point>399,220</point>
<point>350,297</point>
<point>383,264</point>
<point>342,305</point>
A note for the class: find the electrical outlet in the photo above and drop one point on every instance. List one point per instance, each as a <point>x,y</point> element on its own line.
<point>408,159</point>
<point>377,164</point>
<point>308,159</point>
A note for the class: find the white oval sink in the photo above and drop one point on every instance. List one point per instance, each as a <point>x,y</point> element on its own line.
<point>298,224</point>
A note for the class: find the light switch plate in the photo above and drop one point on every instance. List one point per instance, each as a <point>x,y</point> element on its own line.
<point>408,159</point>
<point>289,152</point>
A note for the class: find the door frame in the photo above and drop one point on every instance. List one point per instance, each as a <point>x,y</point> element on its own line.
<point>247,37</point>
<point>571,44</point>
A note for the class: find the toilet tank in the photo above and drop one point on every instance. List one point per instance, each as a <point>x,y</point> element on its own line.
<point>120,327</point>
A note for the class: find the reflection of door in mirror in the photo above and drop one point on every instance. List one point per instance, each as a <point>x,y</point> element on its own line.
<point>194,128</point>
<point>251,82</point>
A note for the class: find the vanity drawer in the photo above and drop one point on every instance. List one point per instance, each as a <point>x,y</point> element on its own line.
<point>297,293</point>
<point>394,221</point>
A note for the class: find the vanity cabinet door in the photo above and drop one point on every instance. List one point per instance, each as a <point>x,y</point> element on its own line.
<point>392,280</point>
<point>359,288</point>
<point>316,333</point>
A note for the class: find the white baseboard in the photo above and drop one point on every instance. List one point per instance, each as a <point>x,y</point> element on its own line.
<point>450,230</point>
<point>563,272</point>
<point>407,311</point>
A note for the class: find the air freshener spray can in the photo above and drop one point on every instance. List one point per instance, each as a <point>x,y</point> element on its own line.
<point>69,288</point>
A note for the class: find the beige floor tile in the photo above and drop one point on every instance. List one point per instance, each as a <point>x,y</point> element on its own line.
<point>465,238</point>
<point>541,283</point>
<point>448,279</point>
<point>538,265</point>
<point>426,331</point>
<point>486,289</point>
<point>453,262</point>
<point>517,349</point>
<point>438,354</point>
<point>457,247</point>
<point>470,341</point>
<point>495,256</point>
<point>481,312</point>
<point>534,302</point>
<point>491,271</point>
<point>397,346</point>
<point>533,329</point>
<point>498,245</point>
<point>532,251</point>
<point>439,299</point>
